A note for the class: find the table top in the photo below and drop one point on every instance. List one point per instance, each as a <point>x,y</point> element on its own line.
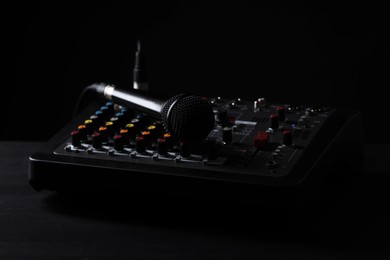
<point>46,225</point>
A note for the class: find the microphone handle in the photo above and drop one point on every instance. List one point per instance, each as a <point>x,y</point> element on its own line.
<point>134,99</point>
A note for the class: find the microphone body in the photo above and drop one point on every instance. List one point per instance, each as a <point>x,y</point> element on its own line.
<point>188,118</point>
<point>135,99</point>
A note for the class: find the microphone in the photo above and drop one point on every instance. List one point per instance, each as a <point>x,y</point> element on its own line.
<point>186,117</point>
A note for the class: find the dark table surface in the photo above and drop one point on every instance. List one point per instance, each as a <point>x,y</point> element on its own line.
<point>45,225</point>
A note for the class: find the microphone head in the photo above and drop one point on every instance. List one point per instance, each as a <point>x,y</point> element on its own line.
<point>188,118</point>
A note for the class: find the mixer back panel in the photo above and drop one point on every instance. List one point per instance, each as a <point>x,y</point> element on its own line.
<point>255,146</point>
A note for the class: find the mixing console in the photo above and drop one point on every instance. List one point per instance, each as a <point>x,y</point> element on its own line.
<point>255,147</point>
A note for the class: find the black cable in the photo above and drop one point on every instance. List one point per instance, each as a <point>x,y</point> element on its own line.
<point>95,90</point>
<point>140,81</point>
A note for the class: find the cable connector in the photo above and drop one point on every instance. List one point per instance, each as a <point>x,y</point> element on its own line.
<point>140,77</point>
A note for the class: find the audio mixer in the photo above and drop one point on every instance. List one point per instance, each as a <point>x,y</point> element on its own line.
<point>252,149</point>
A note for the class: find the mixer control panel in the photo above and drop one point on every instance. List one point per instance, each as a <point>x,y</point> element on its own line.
<point>253,142</point>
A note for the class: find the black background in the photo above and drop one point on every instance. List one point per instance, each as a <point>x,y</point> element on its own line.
<point>335,55</point>
<point>314,54</point>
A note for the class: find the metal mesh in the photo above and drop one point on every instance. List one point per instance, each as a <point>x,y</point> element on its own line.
<point>188,118</point>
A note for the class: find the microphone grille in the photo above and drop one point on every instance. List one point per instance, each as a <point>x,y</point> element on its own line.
<point>188,118</point>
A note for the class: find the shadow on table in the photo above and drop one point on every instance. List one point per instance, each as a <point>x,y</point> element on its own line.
<point>350,215</point>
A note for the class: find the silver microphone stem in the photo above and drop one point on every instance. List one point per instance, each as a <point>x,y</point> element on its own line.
<point>134,99</point>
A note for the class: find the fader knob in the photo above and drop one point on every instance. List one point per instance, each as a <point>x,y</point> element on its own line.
<point>108,108</point>
<point>103,134</point>
<point>168,139</point>
<point>101,116</point>
<point>110,128</point>
<point>274,121</point>
<point>89,126</point>
<point>127,113</point>
<point>142,119</point>
<point>97,141</point>
<point>110,105</point>
<point>115,124</point>
<point>82,132</point>
<point>147,138</point>
<point>76,139</point>
<point>95,121</point>
<point>212,150</point>
<point>162,146</point>
<point>140,144</point>
<point>227,135</point>
<point>281,113</point>
<point>125,136</point>
<point>239,101</point>
<point>153,131</point>
<point>121,118</point>
<point>261,102</point>
<point>185,150</point>
<point>132,130</point>
<point>105,112</point>
<point>118,143</point>
<point>136,124</point>
<point>287,138</point>
<point>222,116</point>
